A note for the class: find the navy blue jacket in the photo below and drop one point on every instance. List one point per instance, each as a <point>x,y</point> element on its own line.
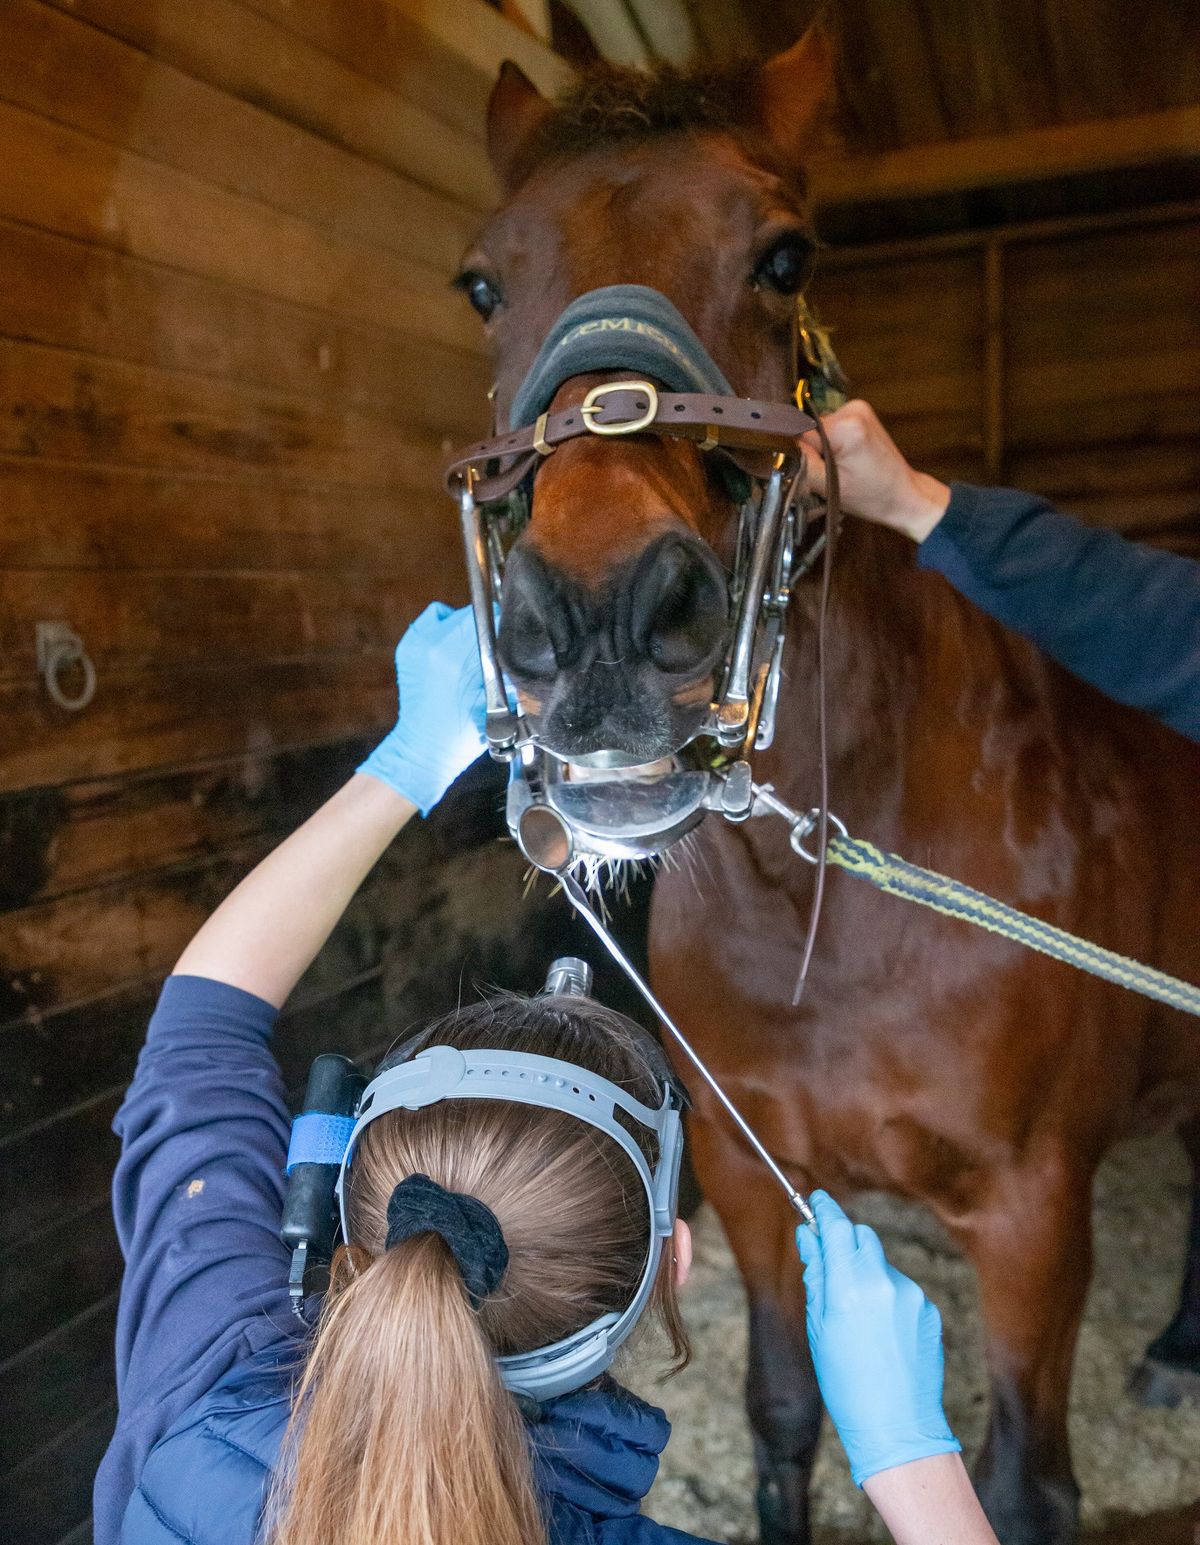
<point>1125,618</point>
<point>206,1343</point>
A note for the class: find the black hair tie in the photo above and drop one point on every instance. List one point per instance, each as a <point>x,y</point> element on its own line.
<point>419,1205</point>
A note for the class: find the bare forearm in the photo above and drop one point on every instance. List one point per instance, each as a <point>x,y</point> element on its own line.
<point>930,1502</point>
<point>265,934</point>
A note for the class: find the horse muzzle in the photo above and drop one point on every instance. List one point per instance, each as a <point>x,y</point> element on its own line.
<point>575,795</point>
<point>628,667</point>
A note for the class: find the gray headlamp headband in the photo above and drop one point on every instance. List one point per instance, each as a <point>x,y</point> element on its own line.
<point>445,1073</point>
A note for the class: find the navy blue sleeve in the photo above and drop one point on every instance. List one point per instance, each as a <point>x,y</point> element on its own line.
<point>197,1197</point>
<point>1125,618</point>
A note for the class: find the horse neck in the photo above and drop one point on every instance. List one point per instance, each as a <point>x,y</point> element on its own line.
<point>880,625</point>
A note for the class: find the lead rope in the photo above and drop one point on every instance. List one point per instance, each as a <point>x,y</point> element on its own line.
<point>897,877</point>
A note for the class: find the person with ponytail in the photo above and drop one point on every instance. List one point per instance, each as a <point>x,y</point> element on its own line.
<point>479,1236</point>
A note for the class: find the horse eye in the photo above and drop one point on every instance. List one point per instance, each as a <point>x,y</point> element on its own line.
<point>481,292</point>
<point>788,265</point>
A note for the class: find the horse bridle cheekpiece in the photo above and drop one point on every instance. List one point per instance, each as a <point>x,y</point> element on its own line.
<point>339,1104</point>
<point>602,806</point>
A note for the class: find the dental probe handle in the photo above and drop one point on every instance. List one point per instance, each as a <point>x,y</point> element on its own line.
<point>579,900</point>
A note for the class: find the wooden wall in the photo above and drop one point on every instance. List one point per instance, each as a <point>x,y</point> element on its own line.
<point>1063,358</point>
<point>229,363</point>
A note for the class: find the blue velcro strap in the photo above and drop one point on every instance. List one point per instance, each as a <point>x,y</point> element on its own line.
<point>619,327</point>
<point>318,1138</point>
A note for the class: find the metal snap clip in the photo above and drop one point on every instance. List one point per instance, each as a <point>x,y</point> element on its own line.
<point>59,648</point>
<point>805,826</point>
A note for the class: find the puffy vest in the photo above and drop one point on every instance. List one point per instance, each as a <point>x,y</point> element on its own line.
<point>595,1457</point>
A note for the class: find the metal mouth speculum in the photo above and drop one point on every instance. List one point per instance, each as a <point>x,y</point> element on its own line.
<point>606,806</point>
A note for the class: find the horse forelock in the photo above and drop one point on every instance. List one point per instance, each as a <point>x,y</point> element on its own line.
<point>610,106</point>
<point>610,100</point>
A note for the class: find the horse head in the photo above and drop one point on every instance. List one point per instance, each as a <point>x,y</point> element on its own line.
<point>616,606</point>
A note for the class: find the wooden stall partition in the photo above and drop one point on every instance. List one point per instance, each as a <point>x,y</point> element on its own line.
<point>229,365</point>
<point>1062,357</point>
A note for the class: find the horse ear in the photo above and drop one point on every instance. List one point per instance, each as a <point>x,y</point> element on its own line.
<point>796,92</point>
<point>516,110</point>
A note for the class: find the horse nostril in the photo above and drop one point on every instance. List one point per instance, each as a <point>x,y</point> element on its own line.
<point>538,631</point>
<point>679,606</point>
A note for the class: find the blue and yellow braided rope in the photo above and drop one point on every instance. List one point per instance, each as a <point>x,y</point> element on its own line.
<point>953,899</point>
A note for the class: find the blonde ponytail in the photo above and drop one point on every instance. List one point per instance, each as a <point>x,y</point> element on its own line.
<point>402,1433</point>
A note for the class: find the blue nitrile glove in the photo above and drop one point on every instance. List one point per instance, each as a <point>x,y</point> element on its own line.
<point>440,729</point>
<point>877,1345</point>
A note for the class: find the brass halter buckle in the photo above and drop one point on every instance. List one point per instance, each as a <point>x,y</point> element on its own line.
<point>591,407</point>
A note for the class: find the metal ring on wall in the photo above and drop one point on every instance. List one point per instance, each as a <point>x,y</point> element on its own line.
<point>59,648</point>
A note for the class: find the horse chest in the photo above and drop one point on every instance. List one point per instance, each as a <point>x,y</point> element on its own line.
<point>911,1053</point>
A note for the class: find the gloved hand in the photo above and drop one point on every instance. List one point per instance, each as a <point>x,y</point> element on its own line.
<point>877,1345</point>
<point>440,729</point>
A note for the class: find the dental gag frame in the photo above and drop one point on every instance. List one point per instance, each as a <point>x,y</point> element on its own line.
<point>609,806</point>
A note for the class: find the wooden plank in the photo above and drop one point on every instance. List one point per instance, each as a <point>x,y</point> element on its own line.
<point>51,1497</point>
<point>241,52</point>
<point>44,1389</point>
<point>60,180</point>
<point>70,950</point>
<point>67,1033</point>
<point>52,1173</point>
<point>1133,486</point>
<point>1028,155</point>
<point>59,405</point>
<point>94,82</point>
<point>145,621</point>
<point>81,1534</point>
<point>611,26</point>
<point>1125,290</point>
<point>354,1021</point>
<point>483,37</point>
<point>919,364</point>
<point>890,98</point>
<point>1164,216</point>
<point>54,842</point>
<point>378,40</point>
<point>1104,338</point>
<point>1156,398</point>
<point>1102,344</point>
<point>163,720</point>
<point>72,295</point>
<point>78,946</point>
<point>70,516</point>
<point>60,1272</point>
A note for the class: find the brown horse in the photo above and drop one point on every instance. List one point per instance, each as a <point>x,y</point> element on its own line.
<point>927,1059</point>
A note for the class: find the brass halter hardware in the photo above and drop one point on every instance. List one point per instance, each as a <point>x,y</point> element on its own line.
<point>591,407</point>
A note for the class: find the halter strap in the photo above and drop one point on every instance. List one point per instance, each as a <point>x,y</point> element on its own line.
<point>753,432</point>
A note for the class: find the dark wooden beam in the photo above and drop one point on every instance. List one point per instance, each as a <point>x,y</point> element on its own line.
<point>957,166</point>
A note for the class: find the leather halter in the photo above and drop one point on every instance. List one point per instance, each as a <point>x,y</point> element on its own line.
<point>491,481</point>
<point>751,433</point>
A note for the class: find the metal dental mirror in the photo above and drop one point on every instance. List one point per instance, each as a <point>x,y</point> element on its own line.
<point>545,839</point>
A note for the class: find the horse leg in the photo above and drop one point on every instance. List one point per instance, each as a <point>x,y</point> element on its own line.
<point>782,1399</point>
<point>1171,1370</point>
<point>1030,1243</point>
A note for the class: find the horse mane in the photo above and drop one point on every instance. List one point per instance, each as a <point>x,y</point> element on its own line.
<point>610,103</point>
